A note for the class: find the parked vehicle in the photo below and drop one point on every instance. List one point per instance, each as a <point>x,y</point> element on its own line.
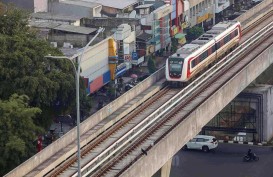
<point>253,157</point>
<point>202,142</point>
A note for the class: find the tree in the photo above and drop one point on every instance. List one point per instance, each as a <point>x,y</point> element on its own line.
<point>174,44</point>
<point>49,84</point>
<point>151,65</point>
<point>17,131</point>
<point>194,33</point>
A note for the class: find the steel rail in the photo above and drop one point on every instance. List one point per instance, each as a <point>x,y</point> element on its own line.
<point>109,132</point>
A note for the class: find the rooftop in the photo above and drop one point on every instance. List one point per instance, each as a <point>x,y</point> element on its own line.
<point>223,25</point>
<point>90,4</point>
<point>52,16</point>
<point>144,6</point>
<point>144,36</point>
<point>70,52</point>
<point>75,29</point>
<point>49,25</point>
<point>63,27</point>
<point>118,4</point>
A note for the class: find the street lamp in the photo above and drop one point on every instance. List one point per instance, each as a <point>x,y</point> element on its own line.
<point>77,76</point>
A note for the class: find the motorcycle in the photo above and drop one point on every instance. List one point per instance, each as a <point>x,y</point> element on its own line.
<point>248,158</point>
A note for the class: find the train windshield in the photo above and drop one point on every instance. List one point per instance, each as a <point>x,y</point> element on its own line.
<point>176,64</point>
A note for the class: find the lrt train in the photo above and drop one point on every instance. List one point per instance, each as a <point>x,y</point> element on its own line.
<point>192,58</point>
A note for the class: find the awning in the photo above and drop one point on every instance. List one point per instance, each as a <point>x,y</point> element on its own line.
<point>180,35</point>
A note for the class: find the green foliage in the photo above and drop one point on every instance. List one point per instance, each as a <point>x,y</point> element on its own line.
<point>46,83</point>
<point>49,83</point>
<point>194,33</point>
<point>151,65</point>
<point>17,131</point>
<point>174,44</point>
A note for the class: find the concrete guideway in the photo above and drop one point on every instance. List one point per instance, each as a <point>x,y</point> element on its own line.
<point>191,106</point>
<point>199,117</point>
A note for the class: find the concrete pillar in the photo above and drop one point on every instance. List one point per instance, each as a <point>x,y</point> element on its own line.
<point>166,169</point>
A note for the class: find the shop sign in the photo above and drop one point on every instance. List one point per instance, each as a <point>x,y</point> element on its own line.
<point>167,9</point>
<point>127,57</point>
<point>134,56</point>
<point>120,69</point>
<point>202,18</point>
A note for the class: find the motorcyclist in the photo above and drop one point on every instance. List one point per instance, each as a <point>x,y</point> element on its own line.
<point>250,154</point>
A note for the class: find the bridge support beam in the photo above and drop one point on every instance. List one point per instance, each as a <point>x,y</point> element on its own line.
<point>166,169</point>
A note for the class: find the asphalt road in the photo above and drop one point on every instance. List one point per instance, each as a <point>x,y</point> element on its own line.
<point>225,161</point>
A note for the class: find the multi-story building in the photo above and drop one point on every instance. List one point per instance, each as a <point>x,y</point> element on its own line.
<point>199,12</point>
<point>157,24</point>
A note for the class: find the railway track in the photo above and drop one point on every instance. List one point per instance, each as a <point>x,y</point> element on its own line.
<point>176,116</point>
<point>256,26</point>
<point>93,157</point>
<point>124,126</point>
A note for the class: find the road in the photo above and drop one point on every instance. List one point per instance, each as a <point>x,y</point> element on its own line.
<point>225,161</point>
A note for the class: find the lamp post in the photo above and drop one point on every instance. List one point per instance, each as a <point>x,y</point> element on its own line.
<point>77,76</point>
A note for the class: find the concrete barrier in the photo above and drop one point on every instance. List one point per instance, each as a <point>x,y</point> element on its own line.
<point>90,122</point>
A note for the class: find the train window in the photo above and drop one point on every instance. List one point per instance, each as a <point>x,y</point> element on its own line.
<point>232,35</point>
<point>213,49</point>
<point>226,39</point>
<point>176,64</point>
<point>193,63</point>
<point>236,32</point>
<point>197,60</point>
<point>204,55</point>
<point>218,46</point>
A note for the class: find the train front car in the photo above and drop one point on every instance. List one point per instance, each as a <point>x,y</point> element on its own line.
<point>177,66</point>
<point>174,69</point>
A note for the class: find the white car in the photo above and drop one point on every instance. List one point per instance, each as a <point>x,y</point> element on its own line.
<point>202,142</point>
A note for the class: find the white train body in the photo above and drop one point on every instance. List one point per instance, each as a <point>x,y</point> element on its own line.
<point>192,58</point>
